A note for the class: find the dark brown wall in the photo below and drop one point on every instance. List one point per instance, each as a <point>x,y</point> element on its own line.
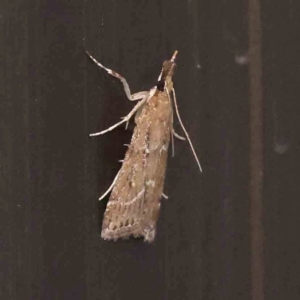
<point>231,232</point>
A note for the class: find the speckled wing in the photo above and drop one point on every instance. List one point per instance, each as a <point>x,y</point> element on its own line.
<point>134,203</point>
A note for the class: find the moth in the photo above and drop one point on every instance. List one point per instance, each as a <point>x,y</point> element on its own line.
<point>136,191</point>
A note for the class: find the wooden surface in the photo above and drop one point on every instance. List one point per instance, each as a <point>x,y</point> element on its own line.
<point>231,232</point>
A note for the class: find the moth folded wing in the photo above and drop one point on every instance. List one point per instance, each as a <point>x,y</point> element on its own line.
<point>155,170</point>
<point>134,204</point>
<point>124,213</point>
<point>156,130</point>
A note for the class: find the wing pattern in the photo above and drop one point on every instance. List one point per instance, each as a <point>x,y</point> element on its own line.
<point>134,203</point>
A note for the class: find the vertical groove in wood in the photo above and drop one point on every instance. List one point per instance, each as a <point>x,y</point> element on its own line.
<point>256,152</point>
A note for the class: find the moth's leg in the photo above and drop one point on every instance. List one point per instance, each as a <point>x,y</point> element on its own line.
<point>137,114</point>
<point>164,196</point>
<point>173,145</point>
<point>133,111</point>
<point>171,131</point>
<point>139,95</point>
<point>178,136</point>
<point>133,97</point>
<point>124,120</point>
<point>111,187</point>
<point>183,128</point>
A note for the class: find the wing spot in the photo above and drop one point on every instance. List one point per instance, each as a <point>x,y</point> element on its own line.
<point>132,184</point>
<point>150,182</point>
<point>165,147</point>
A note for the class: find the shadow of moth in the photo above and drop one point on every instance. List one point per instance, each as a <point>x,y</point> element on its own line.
<point>134,203</point>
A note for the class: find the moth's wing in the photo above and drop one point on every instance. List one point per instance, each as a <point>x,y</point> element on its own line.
<point>155,175</point>
<point>134,203</point>
<point>123,213</point>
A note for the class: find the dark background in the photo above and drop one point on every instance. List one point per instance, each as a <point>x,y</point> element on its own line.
<point>231,232</point>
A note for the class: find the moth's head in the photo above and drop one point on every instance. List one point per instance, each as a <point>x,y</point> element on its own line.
<point>165,77</point>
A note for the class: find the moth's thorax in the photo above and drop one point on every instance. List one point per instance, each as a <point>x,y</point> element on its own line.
<point>158,107</point>
<point>160,100</point>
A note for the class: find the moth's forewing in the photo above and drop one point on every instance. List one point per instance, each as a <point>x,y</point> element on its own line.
<point>134,203</point>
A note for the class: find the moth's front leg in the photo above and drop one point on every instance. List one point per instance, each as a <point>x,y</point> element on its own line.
<point>131,97</point>
<point>124,120</point>
<point>139,95</point>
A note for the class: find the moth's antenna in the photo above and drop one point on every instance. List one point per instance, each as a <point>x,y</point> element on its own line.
<point>185,132</point>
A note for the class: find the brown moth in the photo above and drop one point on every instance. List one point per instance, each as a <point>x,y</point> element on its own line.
<point>134,203</point>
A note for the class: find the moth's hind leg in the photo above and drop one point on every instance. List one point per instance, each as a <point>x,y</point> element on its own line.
<point>131,97</point>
